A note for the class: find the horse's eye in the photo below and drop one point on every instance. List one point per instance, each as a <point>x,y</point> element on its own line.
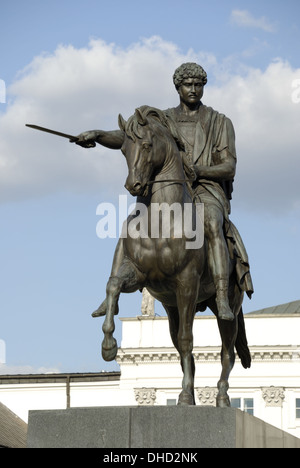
<point>146,146</point>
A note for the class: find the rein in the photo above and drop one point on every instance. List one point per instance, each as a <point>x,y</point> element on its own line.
<point>151,182</point>
<point>173,181</point>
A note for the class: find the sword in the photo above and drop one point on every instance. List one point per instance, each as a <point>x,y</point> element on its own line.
<point>54,132</point>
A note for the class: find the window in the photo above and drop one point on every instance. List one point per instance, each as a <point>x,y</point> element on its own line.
<point>298,408</point>
<point>235,403</point>
<point>171,402</point>
<point>244,404</point>
<point>249,406</point>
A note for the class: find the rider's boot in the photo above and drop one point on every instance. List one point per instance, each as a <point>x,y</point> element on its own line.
<point>101,311</point>
<point>224,310</point>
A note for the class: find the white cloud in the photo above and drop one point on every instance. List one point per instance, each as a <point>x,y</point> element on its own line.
<point>267,129</point>
<point>79,89</point>
<point>245,19</point>
<point>74,90</point>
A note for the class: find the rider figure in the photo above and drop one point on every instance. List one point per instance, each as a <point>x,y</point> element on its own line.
<point>208,140</point>
<point>208,143</point>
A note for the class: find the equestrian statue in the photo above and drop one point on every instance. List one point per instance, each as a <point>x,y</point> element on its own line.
<point>184,157</point>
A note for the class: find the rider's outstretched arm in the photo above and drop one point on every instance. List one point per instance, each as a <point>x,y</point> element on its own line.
<point>112,139</point>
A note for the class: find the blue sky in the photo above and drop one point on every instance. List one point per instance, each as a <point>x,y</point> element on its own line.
<point>73,66</point>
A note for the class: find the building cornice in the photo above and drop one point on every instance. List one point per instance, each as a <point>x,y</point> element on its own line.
<point>207,354</point>
<point>250,315</point>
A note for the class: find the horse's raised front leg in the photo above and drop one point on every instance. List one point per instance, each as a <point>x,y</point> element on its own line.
<point>117,262</point>
<point>186,300</point>
<point>109,343</point>
<point>127,280</point>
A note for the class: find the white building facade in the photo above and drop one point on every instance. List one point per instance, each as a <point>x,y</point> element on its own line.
<point>150,371</point>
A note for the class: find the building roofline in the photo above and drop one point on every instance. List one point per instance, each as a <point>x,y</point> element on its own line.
<point>288,309</point>
<point>57,377</point>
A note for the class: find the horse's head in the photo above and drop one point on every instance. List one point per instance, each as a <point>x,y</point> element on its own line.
<point>144,147</point>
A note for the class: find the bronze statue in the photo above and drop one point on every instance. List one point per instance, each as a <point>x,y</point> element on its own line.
<point>181,155</point>
<point>184,156</point>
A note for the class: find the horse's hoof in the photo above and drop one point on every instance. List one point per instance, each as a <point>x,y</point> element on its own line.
<point>186,399</point>
<point>109,349</point>
<point>223,402</point>
<point>222,399</point>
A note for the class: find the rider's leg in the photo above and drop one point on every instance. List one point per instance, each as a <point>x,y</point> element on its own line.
<point>218,258</point>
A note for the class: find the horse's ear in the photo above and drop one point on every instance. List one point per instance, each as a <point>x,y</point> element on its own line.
<point>121,122</point>
<point>140,118</point>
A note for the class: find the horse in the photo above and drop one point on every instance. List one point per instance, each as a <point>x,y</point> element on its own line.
<point>174,272</point>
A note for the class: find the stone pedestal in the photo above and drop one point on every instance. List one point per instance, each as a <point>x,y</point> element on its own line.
<point>163,427</point>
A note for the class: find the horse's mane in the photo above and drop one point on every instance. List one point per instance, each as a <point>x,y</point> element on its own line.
<point>162,126</point>
<point>146,114</point>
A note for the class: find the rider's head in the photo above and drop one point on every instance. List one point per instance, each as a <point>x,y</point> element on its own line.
<point>189,70</point>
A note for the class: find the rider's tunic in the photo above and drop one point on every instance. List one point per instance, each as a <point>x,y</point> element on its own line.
<point>204,136</point>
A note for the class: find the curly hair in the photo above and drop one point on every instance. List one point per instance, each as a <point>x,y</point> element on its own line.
<point>189,70</point>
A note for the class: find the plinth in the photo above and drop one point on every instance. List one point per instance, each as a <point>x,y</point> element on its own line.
<point>173,427</point>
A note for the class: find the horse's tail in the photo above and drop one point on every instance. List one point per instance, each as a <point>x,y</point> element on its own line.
<point>241,343</point>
